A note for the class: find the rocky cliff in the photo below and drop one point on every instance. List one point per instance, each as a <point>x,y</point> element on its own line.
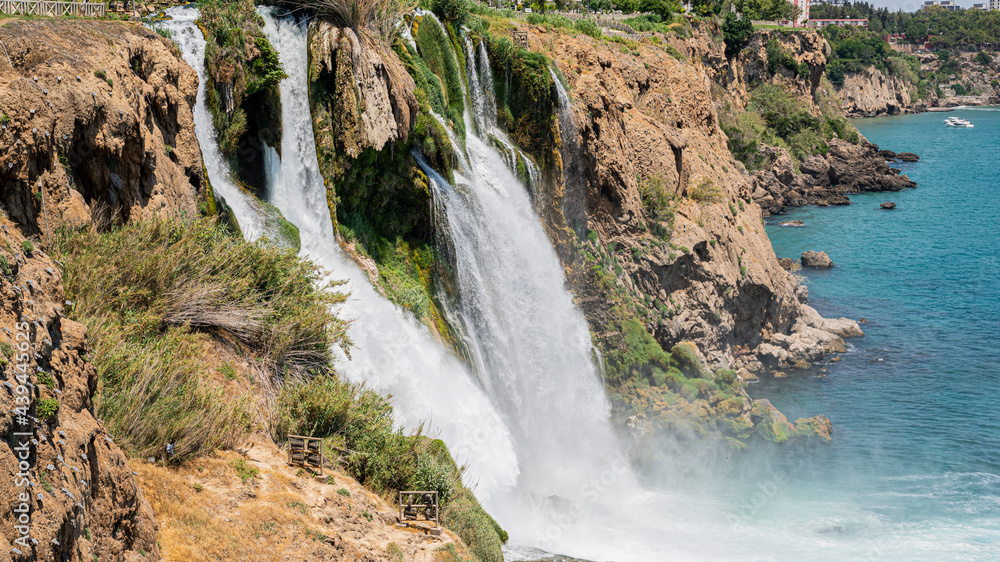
<point>80,499</point>
<point>648,123</point>
<point>873,93</point>
<point>95,122</point>
<point>674,243</point>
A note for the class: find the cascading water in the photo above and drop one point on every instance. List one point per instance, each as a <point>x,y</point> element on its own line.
<point>393,351</point>
<point>571,494</point>
<point>187,36</point>
<point>534,430</point>
<point>484,112</point>
<point>533,356</point>
<point>574,180</point>
<point>546,465</point>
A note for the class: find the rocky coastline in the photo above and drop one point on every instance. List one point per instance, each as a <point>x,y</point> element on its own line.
<point>828,180</point>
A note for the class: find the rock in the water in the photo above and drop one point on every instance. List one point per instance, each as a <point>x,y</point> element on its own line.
<point>786,263</point>
<point>908,157</point>
<point>793,223</point>
<point>888,205</point>
<point>816,259</point>
<point>888,154</point>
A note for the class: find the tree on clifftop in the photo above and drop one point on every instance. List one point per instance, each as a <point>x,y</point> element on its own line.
<point>736,33</point>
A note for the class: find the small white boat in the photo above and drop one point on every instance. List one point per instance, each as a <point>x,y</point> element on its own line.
<point>958,123</point>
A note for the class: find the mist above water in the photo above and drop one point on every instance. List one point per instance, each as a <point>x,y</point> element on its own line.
<point>530,417</point>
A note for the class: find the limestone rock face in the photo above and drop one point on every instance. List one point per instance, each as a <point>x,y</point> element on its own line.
<point>84,501</point>
<point>96,120</point>
<point>372,95</point>
<point>872,93</point>
<point>648,124</point>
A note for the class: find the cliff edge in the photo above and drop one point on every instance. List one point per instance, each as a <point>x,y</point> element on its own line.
<point>95,123</point>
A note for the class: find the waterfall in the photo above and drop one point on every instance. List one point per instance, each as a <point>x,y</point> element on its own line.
<point>531,421</point>
<point>191,42</point>
<point>482,98</point>
<point>394,352</point>
<point>575,181</point>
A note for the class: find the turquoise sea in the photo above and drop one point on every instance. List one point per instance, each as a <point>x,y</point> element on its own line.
<point>914,468</point>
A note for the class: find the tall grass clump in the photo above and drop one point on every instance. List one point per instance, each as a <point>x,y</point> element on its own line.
<point>157,295</point>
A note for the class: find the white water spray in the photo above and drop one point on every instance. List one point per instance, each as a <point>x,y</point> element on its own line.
<point>394,352</point>
<point>191,42</point>
<point>534,430</point>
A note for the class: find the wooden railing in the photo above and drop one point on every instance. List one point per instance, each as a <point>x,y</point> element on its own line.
<point>51,8</point>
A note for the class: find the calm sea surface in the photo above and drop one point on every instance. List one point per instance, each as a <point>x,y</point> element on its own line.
<point>914,469</point>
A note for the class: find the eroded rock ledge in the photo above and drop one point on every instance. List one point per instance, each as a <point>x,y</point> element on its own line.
<point>84,500</point>
<point>95,122</point>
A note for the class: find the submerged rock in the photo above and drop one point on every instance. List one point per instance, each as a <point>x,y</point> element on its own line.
<point>908,157</point>
<point>888,205</point>
<point>792,223</point>
<point>816,259</point>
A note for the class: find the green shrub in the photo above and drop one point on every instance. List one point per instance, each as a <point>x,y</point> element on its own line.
<point>154,294</point>
<point>344,492</point>
<point>27,246</point>
<point>736,34</point>
<point>47,407</point>
<point>659,203</point>
<point>453,11</point>
<point>685,357</point>
<point>244,470</point>
<point>959,89</point>
<point>778,56</point>
<point>588,27</point>
<point>100,74</point>
<point>983,58</point>
<point>163,32</point>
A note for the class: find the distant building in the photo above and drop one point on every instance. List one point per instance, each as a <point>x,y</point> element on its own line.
<point>829,2</point>
<point>982,6</point>
<point>840,22</point>
<point>803,6</point>
<point>995,4</point>
<point>943,4</point>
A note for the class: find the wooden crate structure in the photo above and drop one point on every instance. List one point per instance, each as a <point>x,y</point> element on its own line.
<point>520,39</point>
<point>413,502</point>
<point>306,451</point>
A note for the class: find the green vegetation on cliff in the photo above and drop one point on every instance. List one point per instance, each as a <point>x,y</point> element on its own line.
<point>242,71</point>
<point>777,116</point>
<point>155,295</point>
<point>198,336</point>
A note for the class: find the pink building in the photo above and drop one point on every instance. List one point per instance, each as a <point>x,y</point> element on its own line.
<point>803,6</point>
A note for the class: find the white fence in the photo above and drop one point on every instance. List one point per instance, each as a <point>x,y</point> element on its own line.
<point>50,8</point>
